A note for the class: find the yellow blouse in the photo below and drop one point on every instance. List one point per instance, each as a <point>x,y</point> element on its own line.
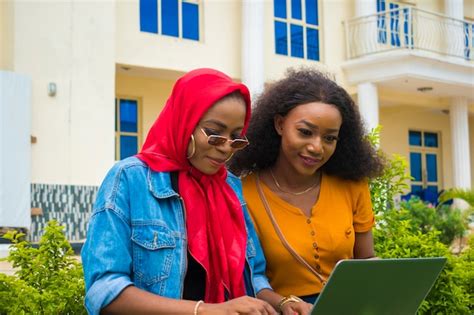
<point>344,207</point>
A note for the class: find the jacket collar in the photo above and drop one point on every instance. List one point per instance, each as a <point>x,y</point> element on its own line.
<point>159,184</point>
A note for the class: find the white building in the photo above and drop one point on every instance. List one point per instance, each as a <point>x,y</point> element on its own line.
<point>81,82</point>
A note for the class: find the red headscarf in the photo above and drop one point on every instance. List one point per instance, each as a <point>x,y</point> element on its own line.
<point>214,220</point>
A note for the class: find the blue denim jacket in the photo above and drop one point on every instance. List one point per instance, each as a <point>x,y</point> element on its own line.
<point>137,236</point>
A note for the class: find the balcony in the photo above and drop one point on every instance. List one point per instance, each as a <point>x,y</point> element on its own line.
<point>407,48</point>
<point>409,28</point>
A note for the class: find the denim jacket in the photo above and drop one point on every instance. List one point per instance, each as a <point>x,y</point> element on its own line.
<point>137,236</point>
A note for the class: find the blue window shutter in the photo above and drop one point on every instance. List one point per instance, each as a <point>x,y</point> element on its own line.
<point>281,38</point>
<point>312,43</point>
<point>432,167</point>
<point>414,138</point>
<point>431,139</point>
<point>415,166</point>
<point>128,146</point>
<point>312,12</point>
<point>296,11</point>
<point>169,17</point>
<point>149,16</point>
<point>279,8</point>
<point>297,41</point>
<point>395,25</point>
<point>466,41</point>
<point>408,32</point>
<point>128,116</point>
<point>190,20</point>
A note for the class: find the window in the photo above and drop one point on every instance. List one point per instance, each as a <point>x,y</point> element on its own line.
<point>399,26</point>
<point>177,18</point>
<point>469,40</point>
<point>297,28</point>
<point>425,164</point>
<point>127,127</point>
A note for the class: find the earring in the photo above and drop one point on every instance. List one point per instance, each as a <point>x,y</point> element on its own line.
<point>228,159</point>
<point>194,148</point>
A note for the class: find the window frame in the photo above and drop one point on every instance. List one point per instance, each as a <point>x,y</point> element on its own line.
<point>119,133</point>
<point>395,30</point>
<point>289,20</point>
<point>424,150</point>
<point>180,20</point>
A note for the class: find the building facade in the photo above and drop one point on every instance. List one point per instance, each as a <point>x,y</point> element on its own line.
<point>82,82</point>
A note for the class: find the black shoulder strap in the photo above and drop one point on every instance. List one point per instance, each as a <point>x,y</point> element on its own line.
<point>174,181</point>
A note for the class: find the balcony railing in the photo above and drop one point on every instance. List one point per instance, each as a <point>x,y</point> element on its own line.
<point>409,28</point>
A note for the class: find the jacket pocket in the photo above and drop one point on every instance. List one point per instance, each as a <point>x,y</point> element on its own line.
<point>153,249</point>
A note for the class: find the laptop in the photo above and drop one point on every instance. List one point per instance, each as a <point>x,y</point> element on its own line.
<point>378,286</point>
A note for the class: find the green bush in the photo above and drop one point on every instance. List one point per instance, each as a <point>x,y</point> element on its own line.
<point>467,266</point>
<point>416,230</point>
<point>47,280</point>
<point>392,182</point>
<point>396,238</point>
<point>450,222</point>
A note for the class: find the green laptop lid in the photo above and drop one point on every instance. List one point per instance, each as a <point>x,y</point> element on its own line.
<point>378,286</point>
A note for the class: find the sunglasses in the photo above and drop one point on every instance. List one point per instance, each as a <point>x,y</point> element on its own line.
<point>237,144</point>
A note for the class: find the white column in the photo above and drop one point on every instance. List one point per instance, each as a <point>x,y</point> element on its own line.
<point>458,115</point>
<point>253,45</point>
<point>365,7</point>
<point>368,101</point>
<point>366,30</point>
<point>454,8</point>
<point>455,44</point>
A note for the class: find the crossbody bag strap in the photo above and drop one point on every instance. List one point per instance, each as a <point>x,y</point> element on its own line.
<point>281,236</point>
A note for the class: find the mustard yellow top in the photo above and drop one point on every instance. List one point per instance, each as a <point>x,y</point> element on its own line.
<point>344,207</point>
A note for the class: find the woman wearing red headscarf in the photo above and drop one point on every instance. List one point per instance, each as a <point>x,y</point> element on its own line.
<point>170,233</point>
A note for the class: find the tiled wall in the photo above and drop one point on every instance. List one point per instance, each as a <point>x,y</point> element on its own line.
<point>69,205</point>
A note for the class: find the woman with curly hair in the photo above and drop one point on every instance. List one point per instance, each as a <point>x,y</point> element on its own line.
<point>305,181</point>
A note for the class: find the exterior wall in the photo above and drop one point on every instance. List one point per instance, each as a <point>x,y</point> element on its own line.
<point>219,45</point>
<point>430,5</point>
<point>6,35</point>
<point>71,44</point>
<point>152,93</point>
<point>469,9</point>
<point>396,121</point>
<point>69,205</point>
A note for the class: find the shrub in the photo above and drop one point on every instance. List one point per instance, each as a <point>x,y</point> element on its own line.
<point>449,221</point>
<point>397,238</point>
<point>392,182</point>
<point>48,279</point>
<point>415,230</point>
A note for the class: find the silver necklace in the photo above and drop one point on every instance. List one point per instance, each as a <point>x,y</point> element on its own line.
<point>277,184</point>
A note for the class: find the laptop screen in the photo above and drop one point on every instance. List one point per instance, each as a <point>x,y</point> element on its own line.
<point>378,286</point>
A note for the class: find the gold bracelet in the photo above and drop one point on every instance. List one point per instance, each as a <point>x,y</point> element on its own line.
<point>288,299</point>
<point>196,307</point>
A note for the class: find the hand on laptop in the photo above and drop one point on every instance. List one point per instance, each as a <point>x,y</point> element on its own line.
<point>296,308</point>
<point>244,305</point>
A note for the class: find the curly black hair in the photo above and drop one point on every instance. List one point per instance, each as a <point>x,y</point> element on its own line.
<point>354,157</point>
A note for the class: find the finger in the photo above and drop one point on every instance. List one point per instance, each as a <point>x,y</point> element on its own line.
<point>300,308</point>
<point>288,310</point>
<point>256,311</point>
<point>264,308</point>
<point>268,309</point>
